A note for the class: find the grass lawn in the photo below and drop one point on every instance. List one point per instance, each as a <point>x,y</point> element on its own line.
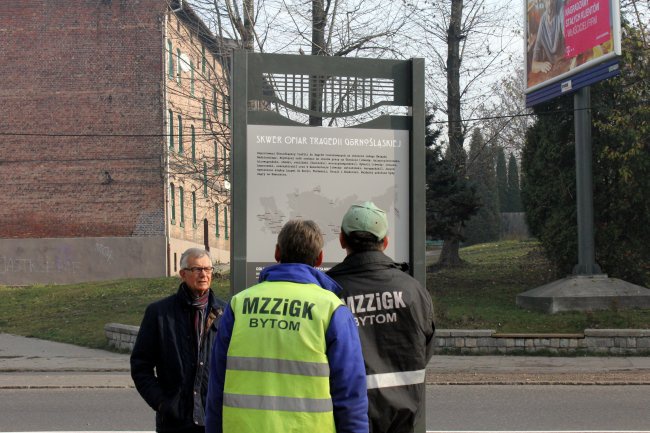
<point>480,295</point>
<point>77,313</point>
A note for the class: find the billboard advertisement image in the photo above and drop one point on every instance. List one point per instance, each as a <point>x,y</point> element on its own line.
<point>565,37</point>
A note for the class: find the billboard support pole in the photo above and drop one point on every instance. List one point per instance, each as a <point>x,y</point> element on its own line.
<point>588,288</point>
<point>584,185</point>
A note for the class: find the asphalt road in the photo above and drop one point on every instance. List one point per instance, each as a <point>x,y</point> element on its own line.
<point>538,408</point>
<point>449,408</point>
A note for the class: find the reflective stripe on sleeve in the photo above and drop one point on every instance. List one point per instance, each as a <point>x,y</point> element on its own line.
<point>400,378</point>
<point>268,402</point>
<point>267,365</point>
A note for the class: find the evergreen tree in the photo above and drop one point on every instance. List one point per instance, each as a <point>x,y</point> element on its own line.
<point>484,226</point>
<point>502,180</point>
<point>513,191</point>
<point>450,198</point>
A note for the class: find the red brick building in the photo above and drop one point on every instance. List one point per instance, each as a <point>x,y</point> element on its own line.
<point>114,140</point>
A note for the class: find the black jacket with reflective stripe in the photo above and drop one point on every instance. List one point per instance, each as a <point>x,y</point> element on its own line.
<point>167,370</point>
<point>394,314</point>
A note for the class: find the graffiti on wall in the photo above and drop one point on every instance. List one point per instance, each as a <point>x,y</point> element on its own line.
<point>61,262</point>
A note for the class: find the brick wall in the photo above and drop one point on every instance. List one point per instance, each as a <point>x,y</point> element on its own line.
<point>194,81</point>
<point>80,81</point>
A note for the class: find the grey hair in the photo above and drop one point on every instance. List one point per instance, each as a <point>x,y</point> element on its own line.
<point>195,253</point>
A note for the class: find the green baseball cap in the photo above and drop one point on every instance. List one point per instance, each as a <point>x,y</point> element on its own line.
<point>365,217</point>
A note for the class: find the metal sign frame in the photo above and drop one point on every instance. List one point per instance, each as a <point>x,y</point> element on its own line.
<point>262,80</point>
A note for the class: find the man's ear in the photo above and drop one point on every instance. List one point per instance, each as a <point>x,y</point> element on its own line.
<point>277,253</point>
<point>385,243</point>
<point>319,260</point>
<point>344,244</point>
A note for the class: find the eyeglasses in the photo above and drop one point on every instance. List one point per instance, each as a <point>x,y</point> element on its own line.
<point>198,270</point>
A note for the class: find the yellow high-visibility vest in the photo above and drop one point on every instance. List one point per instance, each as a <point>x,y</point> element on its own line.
<point>277,373</point>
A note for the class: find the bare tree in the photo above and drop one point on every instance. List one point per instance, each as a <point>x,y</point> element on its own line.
<point>638,13</point>
<point>504,118</point>
<point>319,27</point>
<point>470,43</point>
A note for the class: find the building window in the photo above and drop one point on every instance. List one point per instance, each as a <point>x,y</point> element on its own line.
<point>182,205</point>
<point>171,130</point>
<point>191,78</point>
<point>170,59</point>
<point>216,220</point>
<point>205,179</point>
<point>180,134</point>
<point>225,221</point>
<point>226,166</point>
<point>204,114</point>
<point>172,199</point>
<point>203,60</point>
<point>224,109</point>
<point>193,143</point>
<point>214,101</point>
<point>216,156</point>
<point>193,209</point>
<point>179,68</point>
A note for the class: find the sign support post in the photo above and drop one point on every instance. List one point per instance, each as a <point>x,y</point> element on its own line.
<point>584,184</point>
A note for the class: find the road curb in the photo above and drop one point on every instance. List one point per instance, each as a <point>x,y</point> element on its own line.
<point>609,378</point>
<point>65,380</point>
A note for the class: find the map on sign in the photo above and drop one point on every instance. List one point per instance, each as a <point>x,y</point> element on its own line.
<point>317,174</point>
<point>312,204</point>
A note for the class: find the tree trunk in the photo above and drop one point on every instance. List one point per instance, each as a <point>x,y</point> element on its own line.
<point>248,38</point>
<point>449,254</point>
<point>317,82</point>
<point>456,152</point>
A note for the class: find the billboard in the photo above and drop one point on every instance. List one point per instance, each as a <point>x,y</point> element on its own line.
<point>318,173</point>
<point>565,38</point>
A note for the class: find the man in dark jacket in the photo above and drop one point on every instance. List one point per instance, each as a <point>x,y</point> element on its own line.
<point>171,355</point>
<point>394,315</point>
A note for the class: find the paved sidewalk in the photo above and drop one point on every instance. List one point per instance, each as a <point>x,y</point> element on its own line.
<point>34,363</point>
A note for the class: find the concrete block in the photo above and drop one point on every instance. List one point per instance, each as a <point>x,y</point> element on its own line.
<point>620,342</point>
<point>643,343</point>
<point>617,332</point>
<point>600,342</point>
<point>470,332</point>
<point>486,342</point>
